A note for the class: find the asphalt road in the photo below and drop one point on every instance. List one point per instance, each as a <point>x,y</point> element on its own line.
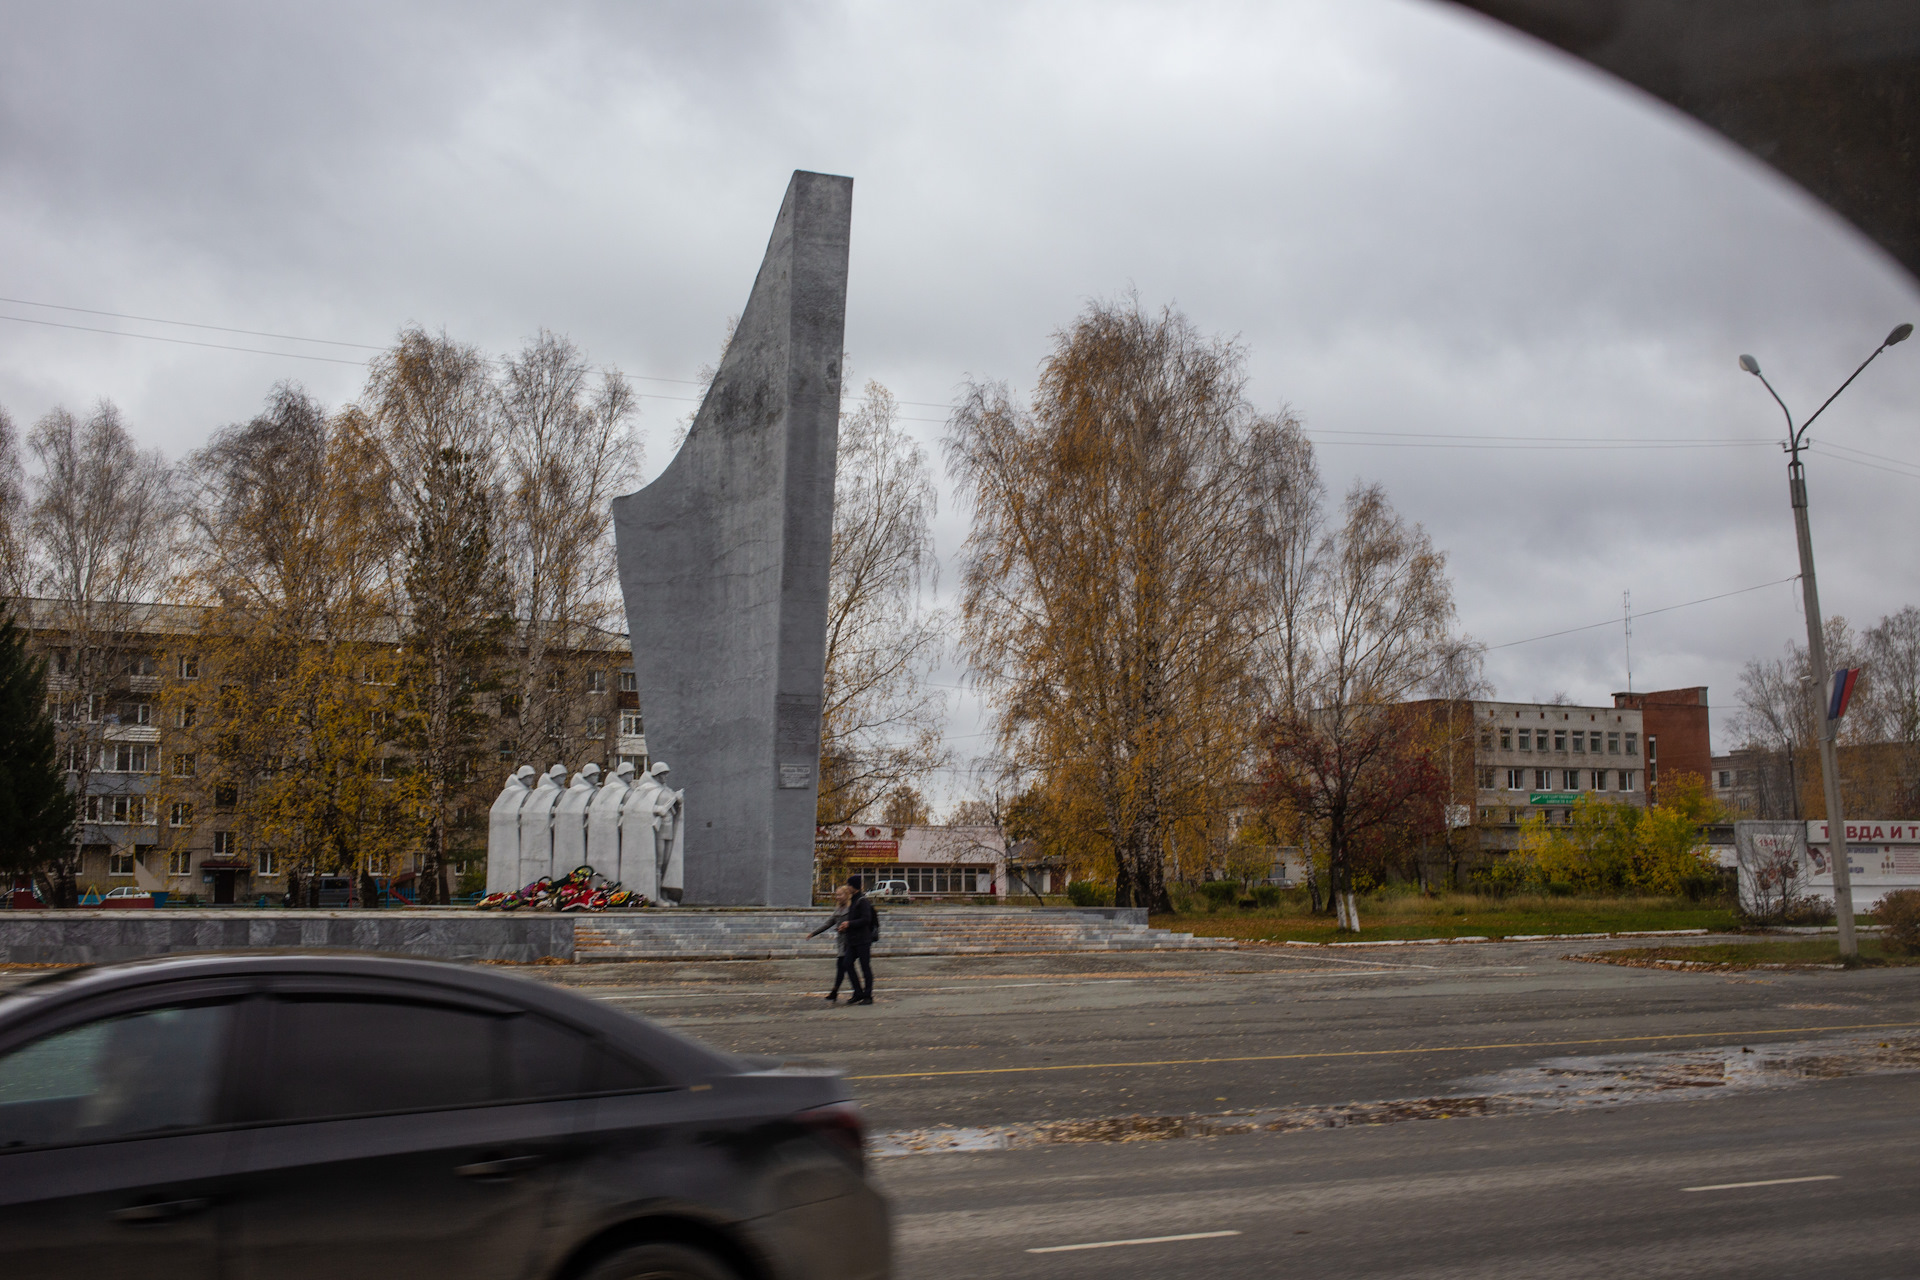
<point>1021,1044</point>
<point>1003,1040</point>
<point>1593,1194</point>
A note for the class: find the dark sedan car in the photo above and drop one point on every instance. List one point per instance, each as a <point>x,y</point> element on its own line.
<point>279,1116</point>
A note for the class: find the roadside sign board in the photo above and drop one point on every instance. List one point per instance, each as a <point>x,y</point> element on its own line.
<point>1552,797</point>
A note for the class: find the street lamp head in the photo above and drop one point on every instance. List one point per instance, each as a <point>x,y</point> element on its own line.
<point>1901,332</point>
<point>1750,365</point>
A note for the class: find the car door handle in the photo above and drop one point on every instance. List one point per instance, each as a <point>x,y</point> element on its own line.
<point>501,1167</point>
<point>160,1210</point>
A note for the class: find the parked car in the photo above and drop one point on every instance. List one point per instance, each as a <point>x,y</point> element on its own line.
<point>128,896</point>
<point>891,891</point>
<point>294,1116</point>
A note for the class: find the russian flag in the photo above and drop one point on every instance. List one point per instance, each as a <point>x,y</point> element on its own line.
<point>1843,680</point>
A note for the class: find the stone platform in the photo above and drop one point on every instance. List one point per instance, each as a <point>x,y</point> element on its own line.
<point>527,937</point>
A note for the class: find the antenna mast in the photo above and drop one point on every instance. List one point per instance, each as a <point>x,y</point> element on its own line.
<point>1626,617</point>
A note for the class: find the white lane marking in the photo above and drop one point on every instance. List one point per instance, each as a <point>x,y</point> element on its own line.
<point>1115,1244</point>
<point>1765,1182</point>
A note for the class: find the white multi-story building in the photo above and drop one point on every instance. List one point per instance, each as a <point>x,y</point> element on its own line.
<point>1532,757</point>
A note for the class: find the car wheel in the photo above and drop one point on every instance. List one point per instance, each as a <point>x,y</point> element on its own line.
<point>661,1262</point>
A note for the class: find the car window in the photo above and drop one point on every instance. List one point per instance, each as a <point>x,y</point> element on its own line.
<point>355,1056</point>
<point>544,1059</point>
<point>136,1074</point>
<point>615,1072</point>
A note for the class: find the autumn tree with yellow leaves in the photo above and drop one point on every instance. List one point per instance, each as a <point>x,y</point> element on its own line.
<point>1113,601</point>
<point>280,706</point>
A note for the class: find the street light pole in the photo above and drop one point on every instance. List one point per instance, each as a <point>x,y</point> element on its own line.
<point>1817,640</point>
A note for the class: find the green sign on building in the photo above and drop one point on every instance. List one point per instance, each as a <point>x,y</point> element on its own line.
<point>1552,797</point>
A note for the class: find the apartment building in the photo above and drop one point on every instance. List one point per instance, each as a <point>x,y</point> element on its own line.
<point>1531,757</point>
<point>149,818</point>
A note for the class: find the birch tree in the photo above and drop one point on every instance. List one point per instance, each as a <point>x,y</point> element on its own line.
<point>1111,594</point>
<point>880,729</point>
<point>102,522</point>
<point>567,450</point>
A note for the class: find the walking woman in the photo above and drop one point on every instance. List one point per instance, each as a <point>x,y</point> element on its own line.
<point>843,962</point>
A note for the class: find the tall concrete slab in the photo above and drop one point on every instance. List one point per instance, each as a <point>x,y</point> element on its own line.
<point>723,566</point>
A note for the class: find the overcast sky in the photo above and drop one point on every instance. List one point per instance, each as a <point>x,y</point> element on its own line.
<point>1462,259</point>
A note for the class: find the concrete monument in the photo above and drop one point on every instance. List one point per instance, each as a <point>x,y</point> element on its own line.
<point>570,820</point>
<point>604,851</point>
<point>536,826</point>
<point>503,832</point>
<point>723,565</point>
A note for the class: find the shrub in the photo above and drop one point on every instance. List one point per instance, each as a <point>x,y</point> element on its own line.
<point>1219,893</point>
<point>1090,893</point>
<point>1899,917</point>
<point>1266,895</point>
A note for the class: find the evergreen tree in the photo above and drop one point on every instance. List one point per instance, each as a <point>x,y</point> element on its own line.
<point>36,809</point>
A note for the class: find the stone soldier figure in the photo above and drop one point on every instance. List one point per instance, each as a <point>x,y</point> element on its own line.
<point>570,820</point>
<point>604,852</point>
<point>503,832</point>
<point>536,826</point>
<point>669,834</point>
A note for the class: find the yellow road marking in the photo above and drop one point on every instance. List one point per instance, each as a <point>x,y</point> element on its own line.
<point>1384,1053</point>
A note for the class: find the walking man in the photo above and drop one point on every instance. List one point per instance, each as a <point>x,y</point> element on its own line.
<point>859,929</point>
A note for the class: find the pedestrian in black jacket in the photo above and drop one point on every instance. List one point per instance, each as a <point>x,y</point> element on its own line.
<point>859,929</point>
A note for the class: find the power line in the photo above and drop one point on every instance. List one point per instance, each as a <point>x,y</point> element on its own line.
<point>183,342</point>
<point>1644,613</point>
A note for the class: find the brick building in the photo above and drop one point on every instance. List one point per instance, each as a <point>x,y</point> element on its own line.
<point>1678,733</point>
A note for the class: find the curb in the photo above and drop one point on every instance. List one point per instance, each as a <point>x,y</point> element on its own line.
<point>1516,937</point>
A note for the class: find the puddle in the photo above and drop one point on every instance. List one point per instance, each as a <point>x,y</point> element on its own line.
<point>1554,1084</point>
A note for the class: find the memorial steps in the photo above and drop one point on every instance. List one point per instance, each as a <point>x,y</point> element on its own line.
<point>764,934</point>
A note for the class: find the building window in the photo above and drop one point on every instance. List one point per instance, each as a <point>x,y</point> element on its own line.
<point>1633,744</point>
<point>1726,779</point>
<point>223,844</point>
<point>183,715</point>
<point>596,682</point>
<point>1653,750</point>
<point>1486,779</point>
<point>1599,779</point>
<point>629,683</point>
<point>630,724</point>
<point>189,667</point>
<point>130,758</point>
<point>1526,740</point>
<point>143,713</point>
<point>506,749</point>
<point>640,763</point>
<point>596,726</point>
<point>120,862</point>
<point>1541,779</point>
<point>179,862</point>
<point>1506,740</point>
<point>389,768</point>
<point>1626,779</point>
<point>183,764</point>
<point>225,798</point>
<point>263,860</point>
<point>1486,742</point>
<point>1580,742</point>
<point>1613,744</point>
<point>1559,739</point>
<point>1573,779</point>
<point>180,814</point>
